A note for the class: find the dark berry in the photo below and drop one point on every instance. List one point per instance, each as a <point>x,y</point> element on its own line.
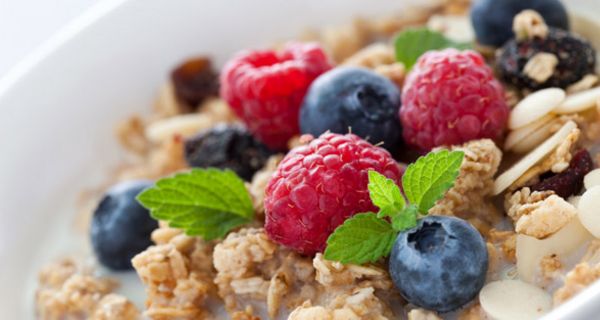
<point>570,181</point>
<point>227,147</point>
<point>355,99</point>
<point>493,19</point>
<point>440,264</point>
<point>121,227</point>
<point>576,58</point>
<point>194,81</point>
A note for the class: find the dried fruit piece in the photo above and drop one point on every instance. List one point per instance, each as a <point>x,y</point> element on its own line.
<point>592,179</point>
<point>570,181</point>
<point>195,80</point>
<point>579,102</point>
<point>589,210</point>
<point>515,172</point>
<point>514,299</point>
<point>535,106</point>
<point>530,250</point>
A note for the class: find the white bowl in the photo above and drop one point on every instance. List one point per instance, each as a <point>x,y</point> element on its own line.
<point>58,109</point>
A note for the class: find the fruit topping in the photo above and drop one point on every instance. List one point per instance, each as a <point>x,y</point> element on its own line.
<point>514,299</point>
<point>227,147</point>
<point>570,181</point>
<point>511,175</point>
<point>451,97</point>
<point>535,106</point>
<point>535,61</point>
<point>588,210</point>
<point>319,185</point>
<point>121,227</point>
<point>493,19</point>
<point>440,264</point>
<point>592,179</point>
<point>355,99</point>
<point>266,88</point>
<point>195,80</point>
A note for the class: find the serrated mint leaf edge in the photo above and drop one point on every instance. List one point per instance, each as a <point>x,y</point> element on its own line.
<point>424,194</point>
<point>385,194</point>
<point>336,251</point>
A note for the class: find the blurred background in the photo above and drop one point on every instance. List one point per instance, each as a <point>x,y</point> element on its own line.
<point>25,24</point>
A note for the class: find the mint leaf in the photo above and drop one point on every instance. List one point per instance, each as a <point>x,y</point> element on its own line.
<point>361,238</point>
<point>426,180</point>
<point>202,202</point>
<point>412,43</point>
<point>406,219</point>
<point>385,194</point>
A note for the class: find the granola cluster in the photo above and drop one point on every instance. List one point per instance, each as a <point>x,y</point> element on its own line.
<point>469,198</point>
<point>177,273</point>
<point>70,291</point>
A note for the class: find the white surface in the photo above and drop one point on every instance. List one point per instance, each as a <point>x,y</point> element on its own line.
<point>25,24</point>
<point>59,106</point>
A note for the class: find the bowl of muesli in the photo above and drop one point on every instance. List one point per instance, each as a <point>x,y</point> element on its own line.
<point>313,160</point>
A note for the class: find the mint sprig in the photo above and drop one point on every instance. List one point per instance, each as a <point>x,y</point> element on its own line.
<point>203,202</point>
<point>412,43</point>
<point>366,237</point>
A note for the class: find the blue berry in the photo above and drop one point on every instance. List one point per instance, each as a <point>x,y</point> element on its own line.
<point>356,99</point>
<point>121,227</point>
<point>440,264</point>
<point>493,19</point>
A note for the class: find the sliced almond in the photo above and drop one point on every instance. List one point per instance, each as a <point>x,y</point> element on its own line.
<point>514,300</point>
<point>515,136</point>
<point>579,102</point>
<point>535,138</point>
<point>535,106</point>
<point>184,125</point>
<point>530,250</point>
<point>589,210</point>
<point>592,179</point>
<point>511,175</point>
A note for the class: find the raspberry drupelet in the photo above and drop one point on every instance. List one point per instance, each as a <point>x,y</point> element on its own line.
<point>451,97</point>
<point>266,88</point>
<point>319,185</point>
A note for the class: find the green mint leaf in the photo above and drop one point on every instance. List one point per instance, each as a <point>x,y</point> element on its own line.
<point>426,180</point>
<point>202,202</point>
<point>406,219</point>
<point>385,194</point>
<point>412,43</point>
<point>361,238</point>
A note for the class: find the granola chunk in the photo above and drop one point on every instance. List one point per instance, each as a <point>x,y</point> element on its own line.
<point>335,274</point>
<point>422,314</point>
<point>576,280</point>
<point>251,267</point>
<point>178,275</point>
<point>539,213</point>
<point>380,58</point>
<point>361,303</point>
<point>550,266</point>
<point>67,290</point>
<point>468,199</point>
<point>507,241</point>
<point>260,180</point>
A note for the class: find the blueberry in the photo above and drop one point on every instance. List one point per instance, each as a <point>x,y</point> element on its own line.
<point>440,264</point>
<point>227,147</point>
<point>355,98</point>
<point>493,19</point>
<point>121,227</point>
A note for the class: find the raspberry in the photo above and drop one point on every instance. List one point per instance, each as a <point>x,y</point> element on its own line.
<point>318,186</point>
<point>265,88</point>
<point>451,97</point>
<point>570,181</point>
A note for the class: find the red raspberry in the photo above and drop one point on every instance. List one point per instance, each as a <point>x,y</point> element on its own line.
<point>318,186</point>
<point>451,97</point>
<point>266,88</point>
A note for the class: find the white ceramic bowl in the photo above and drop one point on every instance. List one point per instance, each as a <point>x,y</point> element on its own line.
<point>58,109</point>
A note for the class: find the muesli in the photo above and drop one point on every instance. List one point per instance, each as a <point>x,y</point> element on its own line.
<point>435,164</point>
